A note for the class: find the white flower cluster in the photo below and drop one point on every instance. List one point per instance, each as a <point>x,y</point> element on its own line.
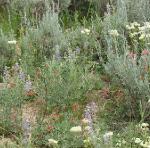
<point>114,33</point>
<point>85,31</point>
<point>136,30</point>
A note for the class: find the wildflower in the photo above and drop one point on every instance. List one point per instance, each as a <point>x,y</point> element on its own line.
<point>85,31</point>
<point>90,112</point>
<point>147,25</point>
<point>114,33</point>
<point>132,55</point>
<point>145,52</point>
<point>142,28</point>
<point>107,137</point>
<point>57,55</point>
<point>85,121</point>
<point>76,129</point>
<point>143,125</point>
<point>136,24</point>
<point>21,75</point>
<point>78,50</point>
<point>13,42</point>
<point>16,67</point>
<point>137,140</point>
<point>123,141</point>
<point>87,141</point>
<point>52,142</point>
<point>130,27</point>
<point>82,31</point>
<point>87,128</point>
<point>118,144</point>
<point>145,144</point>
<point>28,85</point>
<point>142,36</point>
<point>147,36</point>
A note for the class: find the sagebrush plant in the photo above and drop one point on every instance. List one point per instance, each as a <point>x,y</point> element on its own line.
<point>43,40</point>
<point>134,79</point>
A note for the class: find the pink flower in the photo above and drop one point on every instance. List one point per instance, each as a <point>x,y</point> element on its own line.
<point>132,55</point>
<point>145,52</point>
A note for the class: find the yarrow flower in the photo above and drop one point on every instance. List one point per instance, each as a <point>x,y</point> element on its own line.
<point>85,31</point>
<point>85,121</point>
<point>52,142</point>
<point>114,33</point>
<point>143,125</point>
<point>142,36</point>
<point>13,42</point>
<point>145,144</point>
<point>137,140</point>
<point>76,129</point>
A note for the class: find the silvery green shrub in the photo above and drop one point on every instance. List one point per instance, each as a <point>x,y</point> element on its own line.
<point>132,77</point>
<point>44,38</point>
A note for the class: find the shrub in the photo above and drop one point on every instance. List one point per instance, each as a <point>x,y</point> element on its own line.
<point>134,79</point>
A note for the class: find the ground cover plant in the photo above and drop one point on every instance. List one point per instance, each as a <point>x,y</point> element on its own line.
<point>74,74</point>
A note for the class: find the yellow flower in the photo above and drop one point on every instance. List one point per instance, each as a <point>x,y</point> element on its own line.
<point>52,142</point>
<point>76,129</point>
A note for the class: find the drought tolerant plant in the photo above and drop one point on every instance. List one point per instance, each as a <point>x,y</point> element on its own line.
<point>43,40</point>
<point>133,78</point>
<point>63,83</point>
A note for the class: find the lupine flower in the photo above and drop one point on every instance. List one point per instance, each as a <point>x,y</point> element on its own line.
<point>6,74</point>
<point>76,129</point>
<point>16,67</point>
<point>21,75</point>
<point>26,125</point>
<point>89,114</point>
<point>78,50</point>
<point>28,85</point>
<point>57,55</point>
